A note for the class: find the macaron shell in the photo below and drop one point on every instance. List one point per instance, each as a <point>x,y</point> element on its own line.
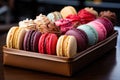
<point>70,46</point>
<point>34,41</point>
<point>68,10</point>
<point>66,46</point>
<point>26,43</point>
<point>85,16</point>
<point>50,42</point>
<point>20,38</point>
<point>91,33</point>
<point>31,40</point>
<point>59,48</point>
<point>80,37</point>
<point>102,33</point>
<point>51,17</point>
<point>41,44</point>
<point>64,24</point>
<point>14,43</point>
<point>9,39</point>
<point>58,15</point>
<point>54,16</point>
<point>107,23</point>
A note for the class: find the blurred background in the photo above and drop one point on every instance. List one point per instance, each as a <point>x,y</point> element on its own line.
<point>12,11</point>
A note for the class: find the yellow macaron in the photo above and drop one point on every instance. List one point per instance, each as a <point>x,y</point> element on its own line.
<point>10,36</point>
<point>19,37</point>
<point>15,37</point>
<point>68,10</point>
<point>66,46</point>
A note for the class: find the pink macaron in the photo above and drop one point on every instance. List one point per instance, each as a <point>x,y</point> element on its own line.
<point>107,23</point>
<point>100,28</point>
<point>64,24</point>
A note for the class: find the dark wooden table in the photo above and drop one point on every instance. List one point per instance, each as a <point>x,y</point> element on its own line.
<point>106,67</point>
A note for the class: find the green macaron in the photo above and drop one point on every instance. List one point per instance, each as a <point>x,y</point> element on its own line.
<point>90,32</point>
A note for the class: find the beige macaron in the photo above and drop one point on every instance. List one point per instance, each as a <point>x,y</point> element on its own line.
<point>19,37</point>
<point>66,46</point>
<point>15,37</point>
<point>68,10</point>
<point>10,36</point>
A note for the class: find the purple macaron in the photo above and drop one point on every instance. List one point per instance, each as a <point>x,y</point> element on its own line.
<point>34,40</point>
<point>31,40</point>
<point>81,37</point>
<point>26,43</point>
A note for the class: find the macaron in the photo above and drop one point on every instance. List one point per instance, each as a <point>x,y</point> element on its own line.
<point>87,14</point>
<point>75,19</point>
<point>47,43</point>
<point>54,16</point>
<point>90,32</point>
<point>34,40</point>
<point>100,28</point>
<point>27,38</point>
<point>19,37</point>
<point>66,46</point>
<point>10,36</point>
<point>15,37</point>
<point>107,23</point>
<point>68,10</point>
<point>28,24</point>
<point>64,24</point>
<point>81,37</point>
<point>44,25</point>
<point>31,40</point>
<point>110,15</point>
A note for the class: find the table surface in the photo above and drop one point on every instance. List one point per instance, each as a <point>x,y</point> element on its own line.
<point>106,67</point>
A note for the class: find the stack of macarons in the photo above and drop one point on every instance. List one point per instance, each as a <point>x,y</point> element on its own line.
<point>31,40</point>
<point>81,38</point>
<point>54,16</point>
<point>79,31</point>
<point>66,46</point>
<point>87,14</point>
<point>68,10</point>
<point>47,43</point>
<point>15,37</point>
<point>97,30</point>
<point>75,19</point>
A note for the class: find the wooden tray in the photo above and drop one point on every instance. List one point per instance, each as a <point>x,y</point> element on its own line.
<point>54,64</point>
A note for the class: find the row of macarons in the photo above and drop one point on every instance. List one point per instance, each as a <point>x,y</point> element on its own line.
<point>84,15</point>
<point>61,21</point>
<point>72,42</point>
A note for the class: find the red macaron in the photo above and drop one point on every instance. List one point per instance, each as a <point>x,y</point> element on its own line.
<point>47,43</point>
